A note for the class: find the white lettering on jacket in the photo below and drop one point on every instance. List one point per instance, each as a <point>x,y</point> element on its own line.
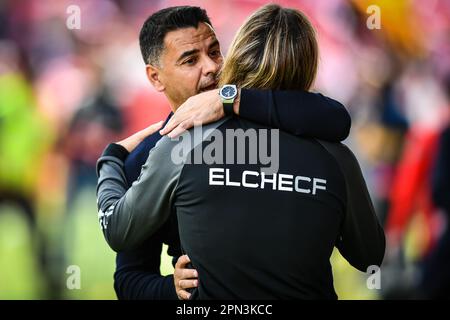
<point>255,179</point>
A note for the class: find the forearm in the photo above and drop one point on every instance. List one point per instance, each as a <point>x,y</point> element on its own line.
<point>111,185</point>
<point>130,216</point>
<point>141,285</point>
<point>301,113</point>
<point>298,112</point>
<point>111,190</point>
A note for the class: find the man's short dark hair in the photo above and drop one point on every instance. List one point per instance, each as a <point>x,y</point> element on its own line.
<point>155,28</point>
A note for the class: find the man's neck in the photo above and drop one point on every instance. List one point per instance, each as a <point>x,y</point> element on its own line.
<point>174,106</point>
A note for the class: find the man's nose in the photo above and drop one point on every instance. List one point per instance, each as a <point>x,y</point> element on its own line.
<point>210,66</point>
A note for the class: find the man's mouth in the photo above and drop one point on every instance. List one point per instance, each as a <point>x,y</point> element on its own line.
<point>209,87</point>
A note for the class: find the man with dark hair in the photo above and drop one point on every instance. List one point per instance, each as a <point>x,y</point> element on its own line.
<point>183,58</point>
<point>155,28</point>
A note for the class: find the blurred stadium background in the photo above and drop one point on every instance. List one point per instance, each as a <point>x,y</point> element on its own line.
<point>65,93</point>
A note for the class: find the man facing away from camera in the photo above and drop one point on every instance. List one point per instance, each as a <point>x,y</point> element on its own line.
<point>183,58</point>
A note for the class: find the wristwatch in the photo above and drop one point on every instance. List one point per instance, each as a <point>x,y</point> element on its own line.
<point>228,93</point>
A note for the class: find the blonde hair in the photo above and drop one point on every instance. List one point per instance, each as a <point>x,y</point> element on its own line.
<point>275,48</point>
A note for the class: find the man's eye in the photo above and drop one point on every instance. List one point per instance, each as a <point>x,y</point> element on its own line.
<point>215,53</point>
<point>190,61</point>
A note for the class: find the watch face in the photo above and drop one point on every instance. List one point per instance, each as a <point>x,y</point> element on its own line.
<point>228,92</point>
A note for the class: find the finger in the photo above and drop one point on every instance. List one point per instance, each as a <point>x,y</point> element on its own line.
<point>183,295</point>
<point>176,132</point>
<point>182,261</point>
<point>182,127</point>
<point>176,119</point>
<point>181,115</point>
<point>151,129</point>
<point>186,284</point>
<point>187,274</point>
<point>170,125</point>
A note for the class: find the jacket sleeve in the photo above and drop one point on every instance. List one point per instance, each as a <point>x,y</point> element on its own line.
<point>128,217</point>
<point>362,241</point>
<point>440,182</point>
<point>137,275</point>
<point>301,113</point>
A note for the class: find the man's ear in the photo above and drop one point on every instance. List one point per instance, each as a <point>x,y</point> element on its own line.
<point>153,74</point>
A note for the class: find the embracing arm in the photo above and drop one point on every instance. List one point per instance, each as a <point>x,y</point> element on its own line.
<point>128,217</point>
<point>137,273</point>
<point>138,276</point>
<point>298,112</point>
<point>301,113</point>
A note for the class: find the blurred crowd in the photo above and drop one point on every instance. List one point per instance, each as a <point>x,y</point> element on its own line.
<point>65,93</point>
